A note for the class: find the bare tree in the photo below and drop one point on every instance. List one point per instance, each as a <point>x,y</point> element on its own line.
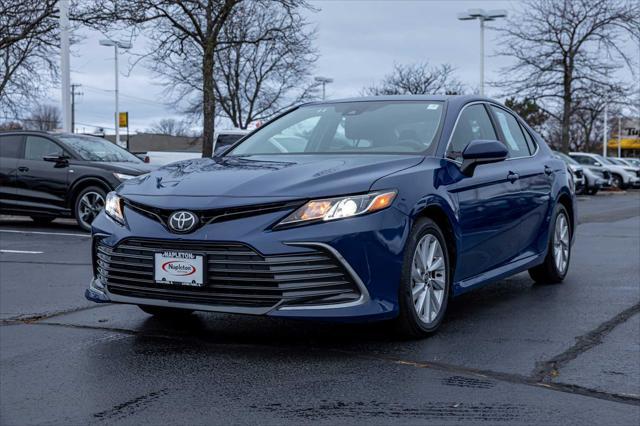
<point>28,51</point>
<point>182,32</point>
<point>257,81</point>
<point>417,79</point>
<point>562,47</point>
<point>170,126</point>
<point>44,117</point>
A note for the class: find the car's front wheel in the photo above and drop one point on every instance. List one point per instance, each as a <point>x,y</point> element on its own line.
<point>426,280</point>
<point>556,263</point>
<point>164,312</point>
<point>89,202</point>
<point>618,182</point>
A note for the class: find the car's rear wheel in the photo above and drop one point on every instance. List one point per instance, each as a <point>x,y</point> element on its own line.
<point>161,311</point>
<point>592,191</point>
<point>89,202</point>
<point>556,263</point>
<point>42,220</point>
<point>426,280</point>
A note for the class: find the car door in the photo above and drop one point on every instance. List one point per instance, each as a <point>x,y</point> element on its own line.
<point>42,185</point>
<point>10,151</point>
<point>535,175</point>
<point>487,199</point>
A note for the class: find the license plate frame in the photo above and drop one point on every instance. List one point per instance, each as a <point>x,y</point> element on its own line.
<point>179,268</point>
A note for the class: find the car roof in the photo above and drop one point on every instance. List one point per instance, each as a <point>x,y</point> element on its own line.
<point>462,99</point>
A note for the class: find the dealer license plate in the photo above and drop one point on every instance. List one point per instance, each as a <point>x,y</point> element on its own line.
<point>177,267</point>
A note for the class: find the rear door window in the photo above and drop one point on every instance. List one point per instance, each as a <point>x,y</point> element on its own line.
<point>11,146</point>
<point>513,135</point>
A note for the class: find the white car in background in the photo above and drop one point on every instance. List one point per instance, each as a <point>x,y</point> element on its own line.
<point>623,176</point>
<point>223,139</point>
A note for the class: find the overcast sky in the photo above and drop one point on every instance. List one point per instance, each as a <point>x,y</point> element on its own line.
<point>358,41</point>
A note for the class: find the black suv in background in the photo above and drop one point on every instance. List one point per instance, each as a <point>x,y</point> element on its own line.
<point>49,175</point>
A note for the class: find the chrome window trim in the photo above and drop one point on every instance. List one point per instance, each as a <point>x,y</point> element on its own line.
<point>364,293</point>
<point>487,104</point>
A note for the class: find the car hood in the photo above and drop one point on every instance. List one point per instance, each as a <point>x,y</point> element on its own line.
<point>123,167</point>
<point>266,177</point>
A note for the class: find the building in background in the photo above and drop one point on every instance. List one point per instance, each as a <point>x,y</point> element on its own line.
<point>629,138</point>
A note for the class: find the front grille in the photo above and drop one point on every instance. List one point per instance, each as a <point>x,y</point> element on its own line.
<point>213,215</point>
<point>236,275</point>
<point>606,174</point>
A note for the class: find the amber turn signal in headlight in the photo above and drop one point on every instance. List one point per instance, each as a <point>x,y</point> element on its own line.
<point>340,207</point>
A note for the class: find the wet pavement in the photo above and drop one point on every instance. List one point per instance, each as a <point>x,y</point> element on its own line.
<point>510,353</point>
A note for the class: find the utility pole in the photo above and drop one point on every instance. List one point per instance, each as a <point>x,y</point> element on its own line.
<point>64,64</point>
<point>73,105</point>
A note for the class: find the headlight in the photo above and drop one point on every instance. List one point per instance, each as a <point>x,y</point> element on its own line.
<point>340,207</point>
<point>113,207</point>
<point>121,176</point>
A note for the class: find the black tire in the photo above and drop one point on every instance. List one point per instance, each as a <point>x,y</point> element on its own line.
<point>618,182</point>
<point>548,272</point>
<point>84,221</point>
<point>164,312</point>
<point>408,322</point>
<point>42,220</point>
<point>592,191</point>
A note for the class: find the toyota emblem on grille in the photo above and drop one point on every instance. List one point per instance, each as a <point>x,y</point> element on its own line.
<point>182,221</point>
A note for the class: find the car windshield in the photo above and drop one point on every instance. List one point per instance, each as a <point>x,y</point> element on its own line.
<point>349,127</point>
<point>603,160</point>
<point>91,148</point>
<point>566,158</point>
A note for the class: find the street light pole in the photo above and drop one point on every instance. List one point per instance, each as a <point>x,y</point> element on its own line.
<point>606,130</point>
<point>324,81</point>
<point>65,76</point>
<point>482,16</point>
<point>116,45</point>
<point>619,132</point>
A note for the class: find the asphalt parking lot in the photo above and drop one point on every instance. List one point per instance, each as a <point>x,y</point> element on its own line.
<point>511,353</point>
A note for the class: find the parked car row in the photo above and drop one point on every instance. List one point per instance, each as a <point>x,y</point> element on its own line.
<point>592,172</point>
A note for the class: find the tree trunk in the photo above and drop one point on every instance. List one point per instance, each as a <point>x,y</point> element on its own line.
<point>208,103</point>
<point>566,103</point>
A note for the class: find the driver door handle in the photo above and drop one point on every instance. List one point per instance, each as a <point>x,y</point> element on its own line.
<point>23,169</point>
<point>512,177</point>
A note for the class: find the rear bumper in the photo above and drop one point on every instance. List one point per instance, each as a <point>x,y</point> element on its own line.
<point>369,249</point>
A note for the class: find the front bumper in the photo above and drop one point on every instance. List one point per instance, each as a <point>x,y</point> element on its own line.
<point>369,248</point>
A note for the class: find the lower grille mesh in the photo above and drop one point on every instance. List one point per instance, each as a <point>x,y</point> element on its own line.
<point>236,275</point>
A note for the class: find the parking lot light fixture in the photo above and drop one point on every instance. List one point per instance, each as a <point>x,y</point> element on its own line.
<point>116,45</point>
<point>324,81</point>
<point>483,16</point>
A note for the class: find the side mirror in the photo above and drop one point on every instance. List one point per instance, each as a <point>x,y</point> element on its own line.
<point>482,152</point>
<point>597,164</point>
<point>60,160</point>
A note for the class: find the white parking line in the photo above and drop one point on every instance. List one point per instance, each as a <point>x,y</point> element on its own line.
<point>21,251</point>
<point>66,234</point>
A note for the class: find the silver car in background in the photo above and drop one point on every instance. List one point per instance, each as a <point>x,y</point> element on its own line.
<point>622,176</point>
<point>594,178</point>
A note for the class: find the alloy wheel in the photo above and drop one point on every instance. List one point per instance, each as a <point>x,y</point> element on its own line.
<point>90,205</point>
<point>561,243</point>
<point>428,278</point>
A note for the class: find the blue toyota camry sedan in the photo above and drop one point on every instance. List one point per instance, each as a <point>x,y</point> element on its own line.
<point>352,210</point>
